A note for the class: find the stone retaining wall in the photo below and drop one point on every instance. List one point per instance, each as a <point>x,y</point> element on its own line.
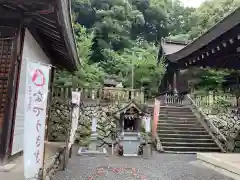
<point>54,164</point>
<point>55,158</point>
<point>228,123</point>
<point>225,125</point>
<point>59,122</point>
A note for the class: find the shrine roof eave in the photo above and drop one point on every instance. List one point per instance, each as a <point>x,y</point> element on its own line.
<point>132,103</point>
<point>68,32</point>
<point>216,31</point>
<point>51,26</point>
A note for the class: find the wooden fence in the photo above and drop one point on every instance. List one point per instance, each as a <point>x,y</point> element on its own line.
<point>170,99</point>
<point>210,99</point>
<point>102,94</point>
<point>215,103</point>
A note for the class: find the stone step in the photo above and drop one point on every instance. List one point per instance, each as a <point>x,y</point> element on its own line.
<point>179,139</point>
<point>188,144</point>
<point>179,120</point>
<point>177,117</point>
<point>192,132</point>
<point>175,112</point>
<point>175,109</point>
<point>190,149</point>
<point>130,133</point>
<point>180,128</point>
<point>130,138</point>
<point>187,136</point>
<point>187,115</point>
<point>169,121</point>
<point>168,116</point>
<point>184,125</point>
<point>170,109</point>
<point>184,152</point>
<point>183,110</point>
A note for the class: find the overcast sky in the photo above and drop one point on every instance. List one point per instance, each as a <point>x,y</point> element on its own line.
<point>192,3</point>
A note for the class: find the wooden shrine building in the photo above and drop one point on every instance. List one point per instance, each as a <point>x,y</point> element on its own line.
<point>37,30</point>
<point>130,121</point>
<point>129,118</point>
<point>217,48</point>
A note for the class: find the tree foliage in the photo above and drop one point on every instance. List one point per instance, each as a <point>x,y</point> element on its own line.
<point>115,36</point>
<point>112,36</point>
<point>194,22</point>
<point>212,80</point>
<point>88,75</point>
<point>210,13</point>
<point>207,79</point>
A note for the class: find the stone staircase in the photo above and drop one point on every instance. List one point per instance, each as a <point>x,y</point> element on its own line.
<point>180,132</point>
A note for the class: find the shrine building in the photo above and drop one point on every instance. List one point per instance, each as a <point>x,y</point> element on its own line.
<point>217,48</point>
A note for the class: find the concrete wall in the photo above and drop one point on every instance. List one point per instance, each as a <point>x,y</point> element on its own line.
<point>31,51</point>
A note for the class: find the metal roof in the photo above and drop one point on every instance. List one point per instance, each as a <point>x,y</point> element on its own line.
<point>170,47</point>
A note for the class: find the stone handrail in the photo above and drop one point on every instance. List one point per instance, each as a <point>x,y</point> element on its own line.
<point>158,144</point>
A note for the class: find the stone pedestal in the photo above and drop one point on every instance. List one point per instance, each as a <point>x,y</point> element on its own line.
<point>147,151</point>
<point>92,149</point>
<point>93,142</point>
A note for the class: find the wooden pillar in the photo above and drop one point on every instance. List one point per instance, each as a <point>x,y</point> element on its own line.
<point>175,80</point>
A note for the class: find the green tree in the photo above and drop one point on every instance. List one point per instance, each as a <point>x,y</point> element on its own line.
<point>207,79</point>
<point>88,75</point>
<point>178,18</point>
<point>113,36</point>
<point>210,13</point>
<point>142,58</point>
<point>155,20</point>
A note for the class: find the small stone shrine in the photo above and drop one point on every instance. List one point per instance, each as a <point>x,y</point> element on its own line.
<point>132,123</point>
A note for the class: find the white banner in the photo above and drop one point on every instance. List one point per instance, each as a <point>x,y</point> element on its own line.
<point>37,79</point>
<point>75,115</point>
<point>148,124</point>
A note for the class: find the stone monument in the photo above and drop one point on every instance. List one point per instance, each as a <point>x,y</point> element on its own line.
<point>147,150</point>
<point>93,138</point>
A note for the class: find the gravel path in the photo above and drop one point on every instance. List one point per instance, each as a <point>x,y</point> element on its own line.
<point>158,167</point>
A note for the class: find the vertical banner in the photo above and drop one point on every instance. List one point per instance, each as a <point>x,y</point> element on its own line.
<point>155,116</point>
<point>37,79</point>
<point>75,115</point>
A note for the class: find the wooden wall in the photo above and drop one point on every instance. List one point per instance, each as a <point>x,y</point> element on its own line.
<point>5,62</point>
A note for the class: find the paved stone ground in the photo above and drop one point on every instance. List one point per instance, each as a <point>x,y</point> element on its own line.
<point>158,167</point>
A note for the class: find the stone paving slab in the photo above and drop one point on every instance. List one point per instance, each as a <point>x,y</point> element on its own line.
<point>229,162</point>
<point>158,167</point>
<point>17,172</point>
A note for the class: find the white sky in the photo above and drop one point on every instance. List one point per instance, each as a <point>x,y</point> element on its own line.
<point>192,3</point>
